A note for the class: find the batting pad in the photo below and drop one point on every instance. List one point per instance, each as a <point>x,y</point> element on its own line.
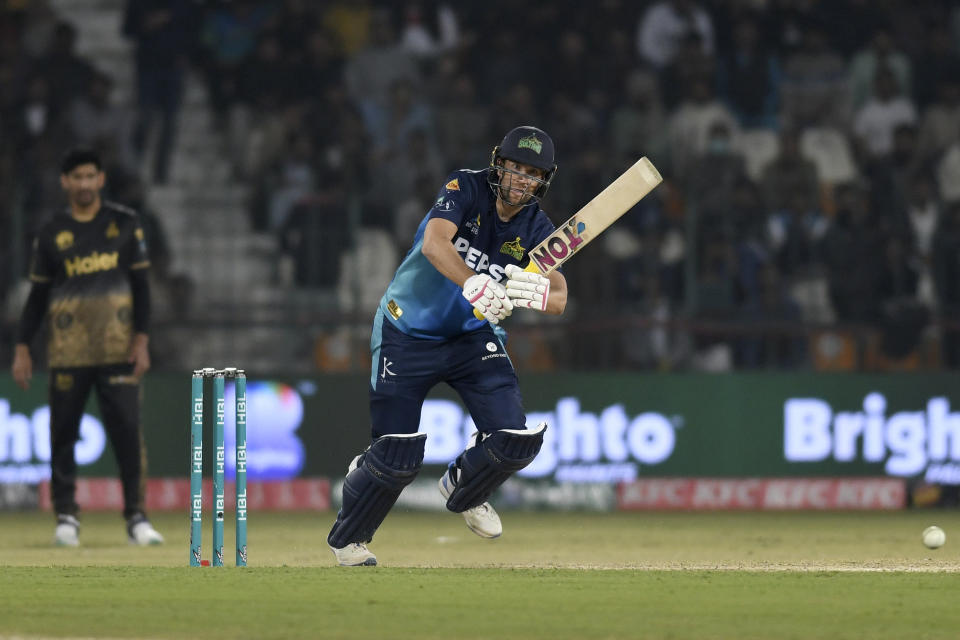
<point>487,465</point>
<point>373,485</point>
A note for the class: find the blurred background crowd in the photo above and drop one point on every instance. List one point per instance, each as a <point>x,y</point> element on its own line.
<point>284,152</point>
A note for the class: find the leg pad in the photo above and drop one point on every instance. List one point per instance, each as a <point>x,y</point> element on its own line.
<point>482,468</point>
<point>373,484</point>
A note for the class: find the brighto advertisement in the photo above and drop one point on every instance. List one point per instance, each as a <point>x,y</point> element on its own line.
<point>910,443</point>
<point>579,446</point>
<point>25,444</point>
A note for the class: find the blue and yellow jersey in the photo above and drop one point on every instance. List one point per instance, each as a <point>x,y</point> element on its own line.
<point>424,303</point>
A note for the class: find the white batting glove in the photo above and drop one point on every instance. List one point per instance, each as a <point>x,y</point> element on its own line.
<point>526,289</point>
<point>488,297</point>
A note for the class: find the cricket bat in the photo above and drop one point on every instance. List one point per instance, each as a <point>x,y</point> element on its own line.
<point>591,220</point>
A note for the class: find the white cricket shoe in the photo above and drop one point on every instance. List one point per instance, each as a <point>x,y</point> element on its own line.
<point>66,533</point>
<point>141,532</point>
<point>354,554</point>
<point>482,519</point>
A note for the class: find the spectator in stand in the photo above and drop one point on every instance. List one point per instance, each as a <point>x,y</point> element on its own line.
<point>774,344</point>
<point>37,128</point>
<point>15,65</point>
<point>903,315</point>
<point>690,64</point>
<point>874,123</point>
<point>790,176</point>
<point>229,37</point>
<point>881,54</point>
<point>265,87</point>
<point>163,34</point>
<point>749,79</point>
<point>946,276</point>
<point>572,64</point>
<point>406,112</point>
<point>350,22</point>
<point>422,159</point>
<point>375,70</point>
<point>499,68</point>
<point>938,62</point>
<point>890,175</point>
<point>573,121</point>
<point>690,125</point>
<point>427,36</point>
<point>463,124</point>
<point>665,24</point>
<point>267,82</point>
<point>715,172</point>
<point>38,27</point>
<point>922,213</point>
<point>517,103</point>
<point>618,54</point>
<point>853,254</point>
<point>320,67</point>
<point>291,180</point>
<point>66,73</point>
<point>409,211</point>
<point>636,125</point>
<point>814,88</point>
<point>794,231</point>
<point>293,25</point>
<point>96,122</point>
<point>940,124</point>
<point>948,173</point>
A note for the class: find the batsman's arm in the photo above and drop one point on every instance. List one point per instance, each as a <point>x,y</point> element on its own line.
<point>488,298</point>
<point>557,301</point>
<point>438,249</point>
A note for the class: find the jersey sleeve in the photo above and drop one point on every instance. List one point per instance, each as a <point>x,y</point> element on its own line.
<point>43,263</point>
<point>136,247</point>
<point>455,199</point>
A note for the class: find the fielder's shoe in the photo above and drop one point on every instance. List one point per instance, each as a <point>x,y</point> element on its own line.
<point>354,554</point>
<point>141,532</point>
<point>66,532</point>
<point>482,519</point>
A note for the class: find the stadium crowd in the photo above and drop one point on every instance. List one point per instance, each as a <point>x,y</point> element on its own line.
<point>811,149</point>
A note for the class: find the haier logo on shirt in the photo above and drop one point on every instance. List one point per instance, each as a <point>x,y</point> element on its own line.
<point>78,266</point>
<point>477,260</point>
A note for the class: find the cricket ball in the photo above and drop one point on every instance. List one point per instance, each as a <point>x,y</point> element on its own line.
<point>934,537</point>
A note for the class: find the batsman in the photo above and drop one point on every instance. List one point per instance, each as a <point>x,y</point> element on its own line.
<point>439,321</point>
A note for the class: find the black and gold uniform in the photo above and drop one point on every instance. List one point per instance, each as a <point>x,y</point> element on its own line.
<point>90,282</point>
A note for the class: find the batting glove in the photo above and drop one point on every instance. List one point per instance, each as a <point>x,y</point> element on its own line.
<point>527,289</point>
<point>488,297</point>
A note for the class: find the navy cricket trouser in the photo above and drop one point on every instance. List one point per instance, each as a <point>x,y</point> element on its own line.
<point>475,365</point>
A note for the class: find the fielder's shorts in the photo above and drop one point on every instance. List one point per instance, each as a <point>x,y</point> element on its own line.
<point>475,365</point>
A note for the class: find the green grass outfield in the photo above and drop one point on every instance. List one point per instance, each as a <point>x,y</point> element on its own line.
<point>572,575</point>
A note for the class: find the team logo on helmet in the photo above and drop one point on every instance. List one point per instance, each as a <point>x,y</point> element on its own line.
<point>513,249</point>
<point>531,142</point>
<point>453,185</point>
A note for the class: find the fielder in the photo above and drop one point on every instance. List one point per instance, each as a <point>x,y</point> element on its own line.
<point>465,257</point>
